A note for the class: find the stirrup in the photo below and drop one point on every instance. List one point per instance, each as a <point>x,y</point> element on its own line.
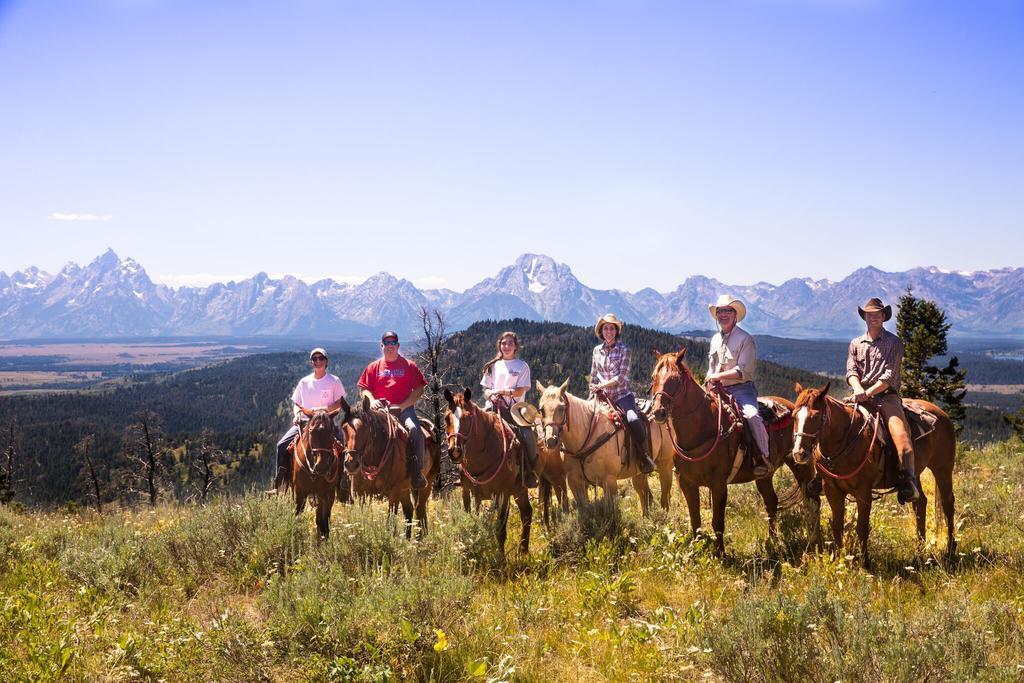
<point>909,490</point>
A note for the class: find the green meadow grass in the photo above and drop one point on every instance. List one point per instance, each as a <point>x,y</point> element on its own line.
<point>240,590</point>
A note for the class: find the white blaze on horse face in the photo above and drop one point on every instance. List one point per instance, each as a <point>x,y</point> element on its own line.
<point>801,422</point>
<point>456,418</point>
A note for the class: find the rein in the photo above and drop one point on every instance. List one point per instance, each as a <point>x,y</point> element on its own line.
<point>505,449</point>
<point>848,444</point>
<point>716,398</point>
<point>302,459</point>
<point>585,451</point>
<point>371,472</point>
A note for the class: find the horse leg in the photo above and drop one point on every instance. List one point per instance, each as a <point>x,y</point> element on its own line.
<point>300,502</point>
<point>643,491</point>
<point>836,501</point>
<point>578,485</point>
<point>864,525</point>
<point>421,511</point>
<point>526,519</point>
<point>944,490</point>
<point>665,477</point>
<point>921,512</point>
<point>692,496</point>
<point>406,502</point>
<point>562,491</point>
<point>324,503</point>
<point>771,502</point>
<point>501,532</point>
<point>466,497</point>
<point>719,496</point>
<point>544,498</point>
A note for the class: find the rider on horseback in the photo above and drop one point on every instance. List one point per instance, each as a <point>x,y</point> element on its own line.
<point>506,380</point>
<point>394,381</point>
<point>874,361</point>
<point>609,374</point>
<point>317,390</point>
<point>732,362</point>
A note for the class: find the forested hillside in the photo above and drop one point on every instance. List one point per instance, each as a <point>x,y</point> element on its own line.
<point>242,402</point>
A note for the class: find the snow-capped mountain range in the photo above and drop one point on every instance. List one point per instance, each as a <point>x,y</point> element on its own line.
<point>113,297</point>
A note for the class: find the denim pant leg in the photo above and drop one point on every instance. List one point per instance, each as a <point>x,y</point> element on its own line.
<point>411,421</point>
<point>283,456</point>
<point>746,395</point>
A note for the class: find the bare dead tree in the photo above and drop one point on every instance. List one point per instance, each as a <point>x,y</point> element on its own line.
<point>145,449</point>
<point>202,474</point>
<point>84,448</point>
<point>432,360</point>
<point>10,459</point>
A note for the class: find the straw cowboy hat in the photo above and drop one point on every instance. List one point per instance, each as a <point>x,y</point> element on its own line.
<point>875,305</point>
<point>728,301</point>
<point>524,414</point>
<point>608,318</point>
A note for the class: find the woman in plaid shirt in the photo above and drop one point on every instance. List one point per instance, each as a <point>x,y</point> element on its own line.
<point>609,374</point>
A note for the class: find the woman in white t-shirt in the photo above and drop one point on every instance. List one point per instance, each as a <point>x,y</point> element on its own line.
<point>506,380</point>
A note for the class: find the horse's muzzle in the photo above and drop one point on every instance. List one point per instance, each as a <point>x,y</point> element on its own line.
<point>800,456</point>
<point>660,415</point>
<point>352,462</point>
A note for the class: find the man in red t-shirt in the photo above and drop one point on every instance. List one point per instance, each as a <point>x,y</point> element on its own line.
<point>394,381</point>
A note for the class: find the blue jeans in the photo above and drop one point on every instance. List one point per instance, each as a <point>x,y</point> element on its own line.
<point>746,395</point>
<point>410,421</point>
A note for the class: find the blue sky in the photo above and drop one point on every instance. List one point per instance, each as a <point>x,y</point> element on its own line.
<point>639,141</point>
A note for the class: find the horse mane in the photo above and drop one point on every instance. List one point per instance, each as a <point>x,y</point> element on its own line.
<point>667,361</point>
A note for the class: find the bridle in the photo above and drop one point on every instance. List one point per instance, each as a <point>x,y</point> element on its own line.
<point>316,423</point>
<point>371,472</point>
<point>848,443</point>
<point>456,439</point>
<point>457,445</point>
<point>660,397</point>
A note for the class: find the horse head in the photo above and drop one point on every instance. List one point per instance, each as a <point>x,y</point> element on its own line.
<point>811,417</point>
<point>458,421</point>
<point>667,382</point>
<point>354,428</point>
<point>320,438</point>
<point>554,411</point>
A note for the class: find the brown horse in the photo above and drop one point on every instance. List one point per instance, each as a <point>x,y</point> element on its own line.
<point>316,468</point>
<point>843,446</point>
<point>592,447</point>
<point>375,458</point>
<point>490,456</point>
<point>706,438</point>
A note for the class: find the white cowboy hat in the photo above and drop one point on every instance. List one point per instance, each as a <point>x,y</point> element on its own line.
<point>728,301</point>
<point>610,319</point>
<point>524,414</point>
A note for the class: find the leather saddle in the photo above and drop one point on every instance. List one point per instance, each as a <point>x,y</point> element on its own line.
<point>630,453</point>
<point>922,423</point>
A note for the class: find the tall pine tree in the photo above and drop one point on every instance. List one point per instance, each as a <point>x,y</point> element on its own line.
<point>922,326</point>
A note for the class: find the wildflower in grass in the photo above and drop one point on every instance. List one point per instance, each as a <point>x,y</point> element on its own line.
<point>442,641</point>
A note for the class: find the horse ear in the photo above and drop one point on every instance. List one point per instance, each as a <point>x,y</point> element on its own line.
<point>366,403</point>
<point>345,409</point>
<point>682,351</point>
<point>467,394</point>
<point>681,360</point>
<point>564,386</point>
<point>540,387</point>
<point>656,351</point>
<point>824,389</point>
<point>798,388</point>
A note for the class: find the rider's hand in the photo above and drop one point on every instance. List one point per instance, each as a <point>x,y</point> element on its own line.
<point>378,404</point>
<point>859,395</point>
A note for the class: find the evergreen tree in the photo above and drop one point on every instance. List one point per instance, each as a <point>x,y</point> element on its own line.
<point>922,326</point>
<point>1016,423</point>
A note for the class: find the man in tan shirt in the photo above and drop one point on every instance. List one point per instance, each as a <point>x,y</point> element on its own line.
<point>732,362</point>
<point>873,373</point>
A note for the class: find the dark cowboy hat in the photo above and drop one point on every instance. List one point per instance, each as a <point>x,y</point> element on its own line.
<point>875,305</point>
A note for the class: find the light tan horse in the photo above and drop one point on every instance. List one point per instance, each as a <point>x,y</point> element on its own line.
<point>844,447</point>
<point>592,447</point>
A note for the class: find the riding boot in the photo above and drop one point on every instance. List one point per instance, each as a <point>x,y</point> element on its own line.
<point>529,442</point>
<point>909,485</point>
<point>415,469</point>
<point>642,446</point>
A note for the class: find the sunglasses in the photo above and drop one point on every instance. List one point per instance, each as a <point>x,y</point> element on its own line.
<point>725,310</point>
<point>390,342</point>
<point>318,359</point>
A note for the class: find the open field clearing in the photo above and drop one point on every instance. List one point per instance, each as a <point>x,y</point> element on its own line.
<point>142,353</point>
<point>239,590</point>
<point>42,378</point>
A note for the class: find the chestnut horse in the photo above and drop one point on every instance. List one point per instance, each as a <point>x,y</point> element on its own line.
<point>550,480</point>
<point>375,458</point>
<point>706,437</point>
<point>489,455</point>
<point>316,468</point>
<point>842,445</point>
<point>592,446</point>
